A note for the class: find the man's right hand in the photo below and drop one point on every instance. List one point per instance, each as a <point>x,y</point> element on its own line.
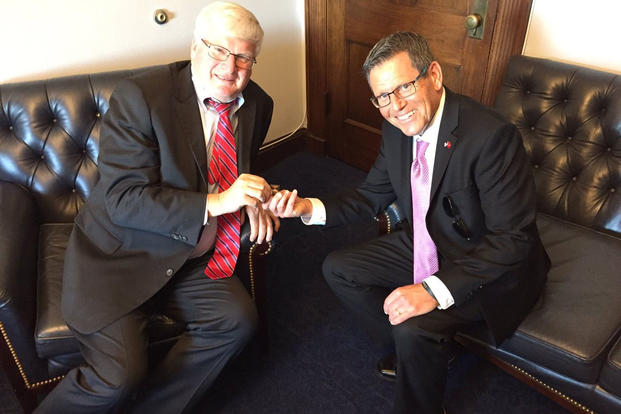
<point>286,204</point>
<point>247,190</point>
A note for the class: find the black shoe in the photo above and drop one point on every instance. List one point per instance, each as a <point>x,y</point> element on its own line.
<point>387,367</point>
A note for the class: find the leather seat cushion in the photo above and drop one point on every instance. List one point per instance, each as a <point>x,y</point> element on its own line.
<point>52,336</point>
<point>610,379</point>
<point>578,316</point>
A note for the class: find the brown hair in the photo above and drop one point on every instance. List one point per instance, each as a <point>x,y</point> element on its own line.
<point>414,44</point>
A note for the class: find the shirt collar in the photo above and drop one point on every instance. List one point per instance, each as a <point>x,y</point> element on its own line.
<point>202,93</point>
<point>430,134</point>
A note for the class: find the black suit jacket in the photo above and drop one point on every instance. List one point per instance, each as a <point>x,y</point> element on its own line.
<point>145,214</point>
<point>486,172</point>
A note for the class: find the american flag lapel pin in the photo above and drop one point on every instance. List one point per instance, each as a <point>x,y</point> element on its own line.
<point>448,144</point>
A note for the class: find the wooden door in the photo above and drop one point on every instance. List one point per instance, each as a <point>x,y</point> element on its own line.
<point>349,28</point>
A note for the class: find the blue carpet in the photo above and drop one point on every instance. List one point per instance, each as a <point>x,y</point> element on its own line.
<point>319,359</point>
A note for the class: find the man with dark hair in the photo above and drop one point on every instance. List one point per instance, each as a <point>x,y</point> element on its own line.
<point>161,228</point>
<point>470,250</point>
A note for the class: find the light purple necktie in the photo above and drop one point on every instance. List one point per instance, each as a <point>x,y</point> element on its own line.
<point>425,254</point>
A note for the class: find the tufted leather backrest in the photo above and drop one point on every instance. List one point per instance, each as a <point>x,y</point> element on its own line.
<point>49,138</point>
<point>570,120</point>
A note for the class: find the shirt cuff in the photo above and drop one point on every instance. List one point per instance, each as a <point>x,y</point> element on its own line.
<point>319,213</point>
<point>440,291</point>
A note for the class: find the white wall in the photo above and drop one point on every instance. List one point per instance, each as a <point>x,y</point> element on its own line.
<point>47,38</point>
<point>576,31</point>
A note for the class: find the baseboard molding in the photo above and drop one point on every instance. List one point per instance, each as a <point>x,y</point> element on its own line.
<point>279,149</point>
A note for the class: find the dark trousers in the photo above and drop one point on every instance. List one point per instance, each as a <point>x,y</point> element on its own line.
<point>362,277</point>
<point>220,318</point>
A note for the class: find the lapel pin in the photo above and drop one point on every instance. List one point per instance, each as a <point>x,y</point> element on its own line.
<point>447,144</point>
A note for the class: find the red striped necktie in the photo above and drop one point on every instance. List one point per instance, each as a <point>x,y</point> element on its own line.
<point>223,171</point>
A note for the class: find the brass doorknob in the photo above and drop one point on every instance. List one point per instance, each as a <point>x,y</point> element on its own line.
<point>473,21</point>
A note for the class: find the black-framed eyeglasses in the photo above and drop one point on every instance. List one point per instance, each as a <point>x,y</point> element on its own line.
<point>221,53</point>
<point>402,91</point>
<point>452,211</point>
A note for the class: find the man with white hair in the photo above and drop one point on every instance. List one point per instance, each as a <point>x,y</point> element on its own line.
<point>161,228</point>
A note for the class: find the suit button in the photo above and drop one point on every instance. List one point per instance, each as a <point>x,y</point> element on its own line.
<point>169,272</point>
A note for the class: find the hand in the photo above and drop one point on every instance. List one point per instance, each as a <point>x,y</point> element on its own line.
<point>408,301</point>
<point>286,204</point>
<point>247,190</point>
<point>262,224</point>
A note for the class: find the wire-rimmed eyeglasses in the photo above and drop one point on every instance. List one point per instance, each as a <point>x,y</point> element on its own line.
<point>221,53</point>
<point>452,211</point>
<point>402,91</point>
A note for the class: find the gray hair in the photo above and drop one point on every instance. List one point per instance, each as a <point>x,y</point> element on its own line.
<point>230,19</point>
<point>414,44</point>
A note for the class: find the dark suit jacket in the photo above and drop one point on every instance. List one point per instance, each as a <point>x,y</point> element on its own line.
<point>487,174</point>
<point>145,214</point>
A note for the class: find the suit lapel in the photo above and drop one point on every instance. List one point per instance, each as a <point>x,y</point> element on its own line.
<point>406,158</point>
<point>244,132</point>
<point>186,107</point>
<point>446,140</point>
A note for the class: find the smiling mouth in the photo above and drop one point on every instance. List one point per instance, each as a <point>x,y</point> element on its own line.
<point>406,116</point>
<point>224,79</point>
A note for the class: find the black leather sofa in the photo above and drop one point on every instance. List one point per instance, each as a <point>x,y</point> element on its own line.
<point>569,346</point>
<point>49,141</point>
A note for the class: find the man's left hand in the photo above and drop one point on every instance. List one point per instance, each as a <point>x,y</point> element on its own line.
<point>263,223</point>
<point>408,301</point>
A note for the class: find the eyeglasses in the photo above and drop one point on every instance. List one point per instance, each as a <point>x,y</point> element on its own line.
<point>402,91</point>
<point>222,54</point>
<point>452,211</point>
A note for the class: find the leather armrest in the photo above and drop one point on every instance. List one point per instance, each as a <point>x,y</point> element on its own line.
<point>390,219</point>
<point>19,222</point>
<point>18,245</point>
<point>252,273</point>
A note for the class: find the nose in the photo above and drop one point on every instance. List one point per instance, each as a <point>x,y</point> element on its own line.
<point>397,103</point>
<point>229,64</point>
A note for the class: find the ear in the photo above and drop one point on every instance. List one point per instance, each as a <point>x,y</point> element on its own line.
<point>435,73</point>
<point>193,50</point>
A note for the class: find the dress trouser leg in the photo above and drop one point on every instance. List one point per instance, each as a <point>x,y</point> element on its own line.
<point>220,318</point>
<point>116,362</point>
<point>362,277</point>
<point>423,347</point>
